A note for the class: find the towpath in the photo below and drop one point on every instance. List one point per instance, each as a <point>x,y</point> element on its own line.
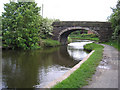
<point>106,75</point>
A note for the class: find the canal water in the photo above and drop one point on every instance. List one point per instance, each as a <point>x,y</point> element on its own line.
<point>37,68</point>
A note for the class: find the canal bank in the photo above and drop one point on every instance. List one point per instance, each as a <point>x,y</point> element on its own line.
<point>82,75</point>
<point>68,73</point>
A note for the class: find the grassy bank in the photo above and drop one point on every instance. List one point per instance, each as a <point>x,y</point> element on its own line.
<point>49,43</point>
<point>80,77</point>
<point>113,43</point>
<point>43,43</point>
<point>92,37</point>
<point>85,38</point>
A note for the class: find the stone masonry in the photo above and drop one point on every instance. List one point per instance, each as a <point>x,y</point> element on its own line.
<point>62,29</point>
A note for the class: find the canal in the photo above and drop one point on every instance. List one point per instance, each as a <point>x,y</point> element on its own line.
<point>37,68</point>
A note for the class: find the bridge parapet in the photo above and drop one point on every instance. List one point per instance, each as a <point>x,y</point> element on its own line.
<point>81,23</point>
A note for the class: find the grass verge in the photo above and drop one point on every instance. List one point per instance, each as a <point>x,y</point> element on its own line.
<point>50,43</point>
<point>114,43</point>
<point>85,38</point>
<point>80,77</point>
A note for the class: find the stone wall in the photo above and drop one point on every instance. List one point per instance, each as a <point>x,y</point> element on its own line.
<point>63,28</point>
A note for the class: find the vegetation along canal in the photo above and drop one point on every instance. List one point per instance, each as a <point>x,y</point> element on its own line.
<point>37,68</point>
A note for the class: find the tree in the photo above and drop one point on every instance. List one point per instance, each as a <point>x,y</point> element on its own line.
<point>0,29</point>
<point>21,25</point>
<point>46,28</point>
<point>115,20</point>
<point>0,25</point>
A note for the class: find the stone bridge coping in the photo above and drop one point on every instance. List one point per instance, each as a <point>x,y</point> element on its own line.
<point>61,23</point>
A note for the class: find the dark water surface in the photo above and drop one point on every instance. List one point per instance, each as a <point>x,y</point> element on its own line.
<point>37,68</point>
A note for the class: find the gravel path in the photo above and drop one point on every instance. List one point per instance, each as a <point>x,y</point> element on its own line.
<point>106,75</point>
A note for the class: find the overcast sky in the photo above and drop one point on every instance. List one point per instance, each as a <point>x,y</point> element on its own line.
<point>74,10</point>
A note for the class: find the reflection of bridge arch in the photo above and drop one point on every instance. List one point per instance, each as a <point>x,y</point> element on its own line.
<point>62,29</point>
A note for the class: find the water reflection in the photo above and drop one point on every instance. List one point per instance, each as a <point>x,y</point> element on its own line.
<point>75,49</point>
<point>36,68</point>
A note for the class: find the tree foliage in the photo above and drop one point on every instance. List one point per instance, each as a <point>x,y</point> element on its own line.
<point>46,28</point>
<point>115,20</point>
<point>0,29</point>
<point>23,26</point>
<point>0,25</point>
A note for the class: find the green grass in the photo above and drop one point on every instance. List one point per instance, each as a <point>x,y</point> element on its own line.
<point>0,40</point>
<point>80,77</point>
<point>92,37</point>
<point>50,43</point>
<point>114,43</point>
<point>87,38</point>
<point>69,40</point>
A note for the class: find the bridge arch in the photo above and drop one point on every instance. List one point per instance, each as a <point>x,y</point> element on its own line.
<point>62,37</point>
<point>61,29</point>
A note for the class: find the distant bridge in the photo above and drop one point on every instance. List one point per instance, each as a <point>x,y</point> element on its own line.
<point>62,29</point>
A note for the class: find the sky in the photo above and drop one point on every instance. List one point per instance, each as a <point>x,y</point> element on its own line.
<point>74,10</point>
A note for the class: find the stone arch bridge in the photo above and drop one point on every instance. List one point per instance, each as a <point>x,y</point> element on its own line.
<point>62,29</point>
